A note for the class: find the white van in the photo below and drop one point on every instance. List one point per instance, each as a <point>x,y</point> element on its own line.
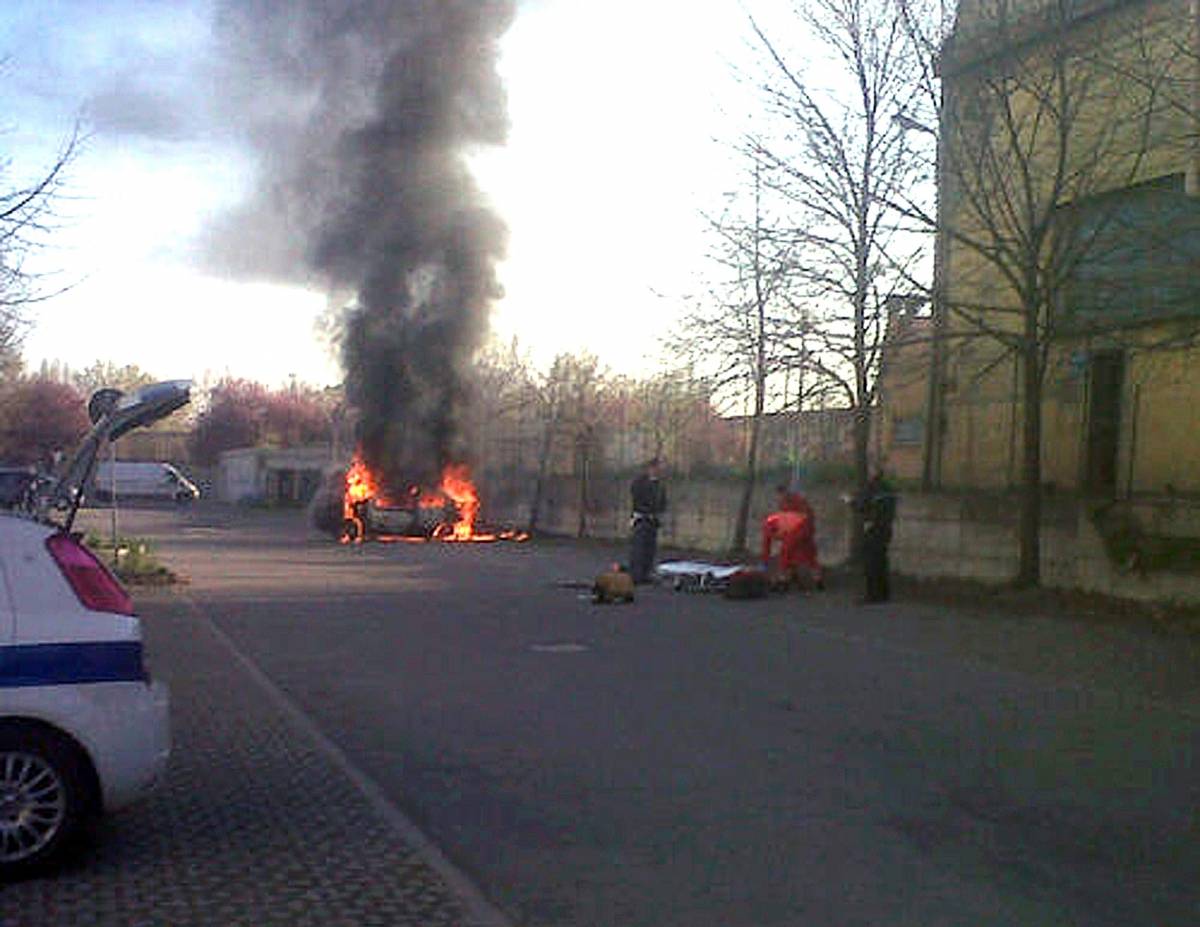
<point>83,727</point>
<point>141,480</point>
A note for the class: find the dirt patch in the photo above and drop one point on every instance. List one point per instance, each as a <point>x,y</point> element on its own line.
<point>984,598</point>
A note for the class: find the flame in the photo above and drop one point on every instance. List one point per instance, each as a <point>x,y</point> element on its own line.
<point>456,487</point>
<point>360,485</point>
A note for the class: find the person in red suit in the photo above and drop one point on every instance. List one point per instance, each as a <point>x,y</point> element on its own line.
<point>793,525</point>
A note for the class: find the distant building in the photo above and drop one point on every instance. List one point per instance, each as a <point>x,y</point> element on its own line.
<point>810,437</point>
<point>273,476</point>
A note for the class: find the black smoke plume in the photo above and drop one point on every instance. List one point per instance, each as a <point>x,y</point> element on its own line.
<point>362,115</point>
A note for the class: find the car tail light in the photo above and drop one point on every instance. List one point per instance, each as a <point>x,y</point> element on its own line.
<point>95,586</point>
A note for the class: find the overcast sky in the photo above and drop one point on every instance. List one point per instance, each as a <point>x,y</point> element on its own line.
<point>617,111</point>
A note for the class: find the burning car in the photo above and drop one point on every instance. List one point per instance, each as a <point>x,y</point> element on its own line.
<point>355,507</point>
<point>375,517</point>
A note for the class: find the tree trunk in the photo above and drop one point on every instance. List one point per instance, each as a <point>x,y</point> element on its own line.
<point>584,474</point>
<point>760,376</point>
<point>862,391</point>
<point>743,517</point>
<point>535,507</point>
<point>1029,525</point>
<point>862,474</point>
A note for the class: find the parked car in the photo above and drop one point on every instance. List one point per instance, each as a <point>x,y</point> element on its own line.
<point>16,486</point>
<point>83,727</point>
<point>130,479</point>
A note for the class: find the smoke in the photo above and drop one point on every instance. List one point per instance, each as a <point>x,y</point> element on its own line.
<point>361,115</point>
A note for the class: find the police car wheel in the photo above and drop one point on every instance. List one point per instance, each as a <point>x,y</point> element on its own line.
<point>42,799</point>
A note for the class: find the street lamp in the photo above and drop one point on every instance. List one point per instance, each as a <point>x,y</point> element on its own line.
<point>906,122</point>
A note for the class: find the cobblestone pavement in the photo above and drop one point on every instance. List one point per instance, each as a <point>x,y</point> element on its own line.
<point>256,823</point>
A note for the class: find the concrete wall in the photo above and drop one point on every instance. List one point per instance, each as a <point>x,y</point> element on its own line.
<point>700,514</point>
<point>975,537</point>
<point>968,536</point>
<point>239,475</point>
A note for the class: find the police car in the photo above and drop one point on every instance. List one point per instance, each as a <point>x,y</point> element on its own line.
<point>83,727</point>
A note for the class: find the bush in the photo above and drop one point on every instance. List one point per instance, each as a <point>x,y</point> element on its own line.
<point>132,559</point>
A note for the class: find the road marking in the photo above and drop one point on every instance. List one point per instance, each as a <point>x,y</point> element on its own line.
<point>564,647</point>
<point>477,909</point>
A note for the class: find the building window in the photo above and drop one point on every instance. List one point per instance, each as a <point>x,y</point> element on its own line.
<point>1134,255</point>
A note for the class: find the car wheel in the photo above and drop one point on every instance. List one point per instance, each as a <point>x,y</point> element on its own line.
<point>43,799</point>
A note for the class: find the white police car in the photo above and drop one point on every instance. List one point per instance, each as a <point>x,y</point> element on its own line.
<point>83,728</point>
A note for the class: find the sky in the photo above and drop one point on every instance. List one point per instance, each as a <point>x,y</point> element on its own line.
<point>621,114</point>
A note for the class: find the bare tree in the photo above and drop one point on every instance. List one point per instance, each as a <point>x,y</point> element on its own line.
<point>503,405</point>
<point>568,410</point>
<point>11,326</point>
<point>842,159</point>
<point>672,411</point>
<point>736,335</point>
<point>108,374</point>
<point>26,218</point>
<point>1049,116</point>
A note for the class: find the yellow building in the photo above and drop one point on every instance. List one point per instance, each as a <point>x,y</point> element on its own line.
<point>900,430</point>
<point>1071,246</point>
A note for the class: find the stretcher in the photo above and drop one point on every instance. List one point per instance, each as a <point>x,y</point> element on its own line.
<point>700,575</point>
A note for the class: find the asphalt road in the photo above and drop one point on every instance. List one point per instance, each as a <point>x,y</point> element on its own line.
<point>686,760</point>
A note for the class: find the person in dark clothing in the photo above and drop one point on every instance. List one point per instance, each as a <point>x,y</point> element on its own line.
<point>649,498</point>
<point>878,507</point>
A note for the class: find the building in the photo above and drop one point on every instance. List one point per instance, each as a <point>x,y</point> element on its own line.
<point>810,440</point>
<point>903,391</point>
<point>272,476</point>
<point>1071,249</point>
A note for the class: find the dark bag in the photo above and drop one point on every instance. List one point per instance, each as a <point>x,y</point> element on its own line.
<point>748,584</point>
